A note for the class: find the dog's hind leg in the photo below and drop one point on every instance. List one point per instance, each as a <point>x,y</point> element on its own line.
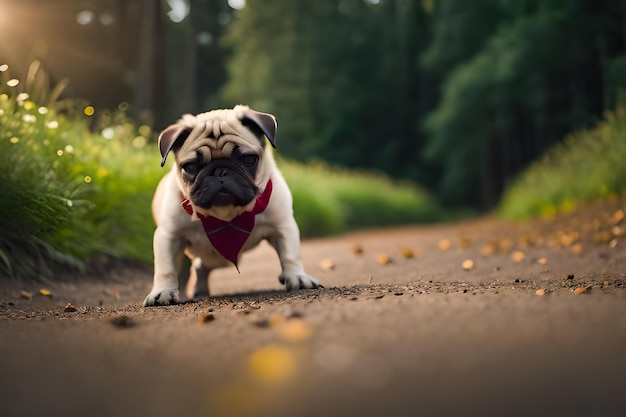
<point>198,284</point>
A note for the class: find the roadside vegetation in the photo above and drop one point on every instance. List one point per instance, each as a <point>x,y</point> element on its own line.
<point>76,181</point>
<point>587,166</point>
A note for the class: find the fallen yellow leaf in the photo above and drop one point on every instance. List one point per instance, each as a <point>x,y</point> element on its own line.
<point>577,248</point>
<point>407,253</point>
<point>327,264</point>
<point>542,261</point>
<point>276,320</point>
<point>489,249</point>
<point>295,330</point>
<point>540,291</point>
<point>45,292</point>
<point>581,290</point>
<point>205,318</point>
<point>273,364</point>
<point>357,249</point>
<point>468,265</point>
<point>518,256</point>
<point>383,259</point>
<point>444,244</point>
<point>506,244</point>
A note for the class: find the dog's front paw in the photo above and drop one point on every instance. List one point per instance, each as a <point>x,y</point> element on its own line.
<point>299,282</point>
<point>162,297</point>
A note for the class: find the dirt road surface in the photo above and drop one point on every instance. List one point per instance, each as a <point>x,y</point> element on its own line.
<point>534,325</point>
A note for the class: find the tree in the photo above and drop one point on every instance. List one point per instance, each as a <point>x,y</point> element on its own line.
<point>340,76</point>
<point>533,80</point>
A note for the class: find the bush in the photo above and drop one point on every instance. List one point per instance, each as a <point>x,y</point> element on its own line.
<point>587,166</point>
<point>332,200</point>
<point>72,182</point>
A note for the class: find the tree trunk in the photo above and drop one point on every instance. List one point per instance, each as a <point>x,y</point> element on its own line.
<point>150,72</point>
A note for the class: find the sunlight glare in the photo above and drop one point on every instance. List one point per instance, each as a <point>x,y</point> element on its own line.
<point>85,17</point>
<point>237,4</point>
<point>180,10</point>
<point>107,19</point>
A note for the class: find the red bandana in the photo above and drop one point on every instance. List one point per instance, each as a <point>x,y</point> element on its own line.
<point>229,237</point>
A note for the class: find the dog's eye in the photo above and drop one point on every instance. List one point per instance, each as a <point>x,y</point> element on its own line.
<point>250,160</point>
<point>190,170</point>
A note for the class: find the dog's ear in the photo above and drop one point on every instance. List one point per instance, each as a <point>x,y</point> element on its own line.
<point>172,136</point>
<point>260,124</point>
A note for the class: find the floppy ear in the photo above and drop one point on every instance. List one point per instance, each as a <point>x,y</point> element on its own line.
<point>173,135</point>
<point>260,124</point>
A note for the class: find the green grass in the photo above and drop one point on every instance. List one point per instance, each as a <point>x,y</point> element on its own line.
<point>589,165</point>
<point>73,184</point>
<point>331,200</point>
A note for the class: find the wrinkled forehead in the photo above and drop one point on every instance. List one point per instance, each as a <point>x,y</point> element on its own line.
<point>216,138</point>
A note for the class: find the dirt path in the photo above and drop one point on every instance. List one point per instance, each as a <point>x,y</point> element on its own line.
<point>418,335</point>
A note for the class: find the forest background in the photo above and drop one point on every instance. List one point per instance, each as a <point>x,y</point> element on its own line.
<point>457,96</point>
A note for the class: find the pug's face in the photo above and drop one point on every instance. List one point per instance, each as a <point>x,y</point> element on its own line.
<point>220,161</point>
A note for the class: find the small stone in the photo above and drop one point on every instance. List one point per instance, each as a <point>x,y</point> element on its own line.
<point>570,276</point>
<point>69,308</point>
<point>121,321</point>
<point>205,318</point>
<point>244,312</point>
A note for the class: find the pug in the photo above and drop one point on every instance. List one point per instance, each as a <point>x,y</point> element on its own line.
<point>222,197</point>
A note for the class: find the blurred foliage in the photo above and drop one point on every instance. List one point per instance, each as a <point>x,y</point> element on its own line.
<point>71,184</point>
<point>331,200</point>
<point>586,167</point>
<point>457,95</point>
